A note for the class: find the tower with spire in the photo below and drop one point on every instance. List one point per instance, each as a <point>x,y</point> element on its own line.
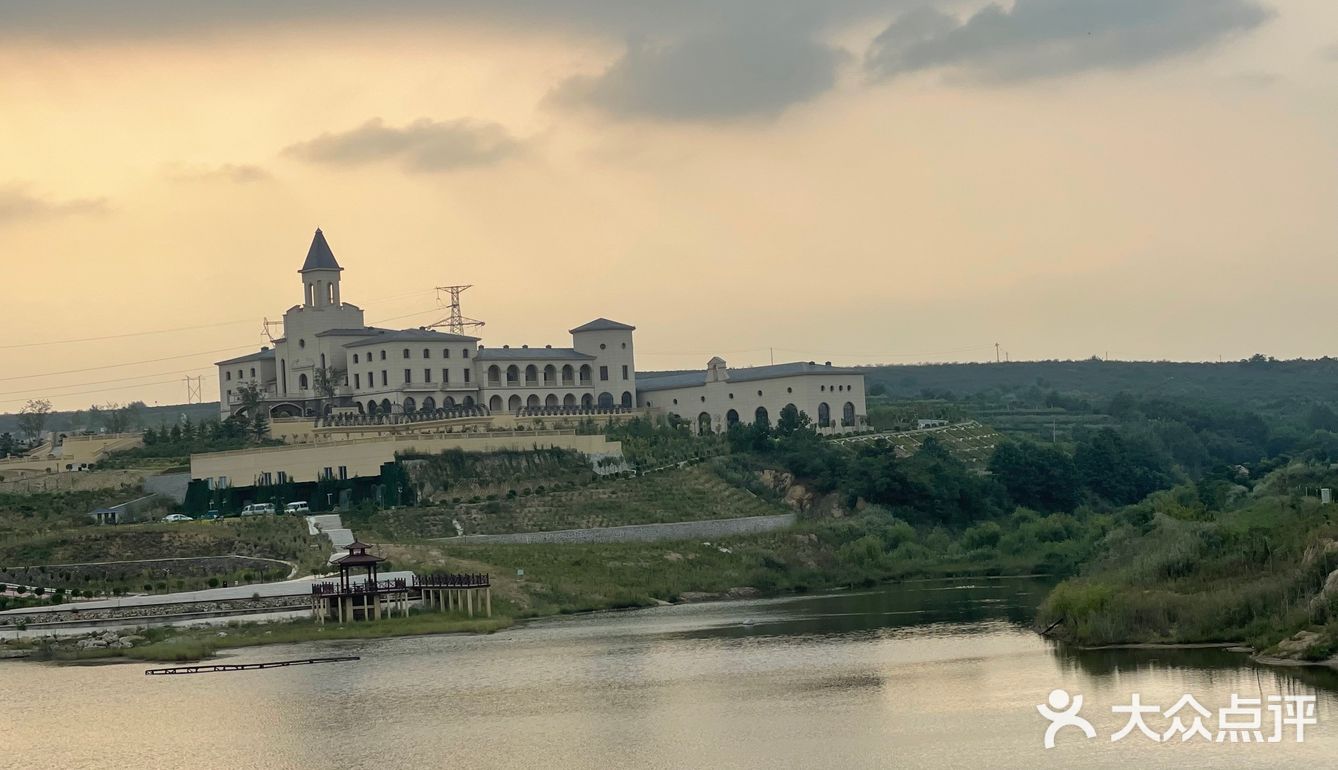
<point>320,274</point>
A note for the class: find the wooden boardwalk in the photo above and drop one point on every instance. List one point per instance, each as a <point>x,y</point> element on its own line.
<point>243,666</point>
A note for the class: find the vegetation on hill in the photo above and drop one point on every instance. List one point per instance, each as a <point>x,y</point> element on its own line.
<point>1211,562</point>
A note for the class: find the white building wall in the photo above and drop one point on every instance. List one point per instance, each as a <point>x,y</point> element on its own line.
<point>612,349</point>
<point>808,392</point>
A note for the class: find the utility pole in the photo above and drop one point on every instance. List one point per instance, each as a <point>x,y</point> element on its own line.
<point>265,329</point>
<point>193,389</point>
<point>455,323</point>
<point>772,351</point>
<point>996,353</point>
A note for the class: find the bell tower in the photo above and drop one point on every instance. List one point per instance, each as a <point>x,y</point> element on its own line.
<point>320,275</point>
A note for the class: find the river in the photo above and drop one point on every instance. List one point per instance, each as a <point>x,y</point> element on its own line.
<point>919,675</point>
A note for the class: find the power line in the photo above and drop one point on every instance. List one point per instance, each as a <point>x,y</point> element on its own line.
<point>121,336</point>
<point>126,380</point>
<point>127,363</point>
<point>99,390</point>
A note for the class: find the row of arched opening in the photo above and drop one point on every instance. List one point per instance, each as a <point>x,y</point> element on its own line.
<point>533,376</point>
<point>410,405</point>
<point>705,424</point>
<point>586,401</point>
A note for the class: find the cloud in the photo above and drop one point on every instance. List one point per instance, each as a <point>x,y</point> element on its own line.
<point>424,145</point>
<point>739,71</point>
<point>1047,38</point>
<point>240,173</point>
<point>17,203</point>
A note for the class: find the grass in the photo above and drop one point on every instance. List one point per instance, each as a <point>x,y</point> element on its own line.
<point>1253,573</point>
<point>184,645</point>
<point>683,494</point>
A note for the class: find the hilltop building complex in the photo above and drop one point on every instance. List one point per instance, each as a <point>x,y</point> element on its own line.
<point>346,398</point>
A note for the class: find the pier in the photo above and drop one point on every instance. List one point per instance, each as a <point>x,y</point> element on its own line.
<point>347,600</point>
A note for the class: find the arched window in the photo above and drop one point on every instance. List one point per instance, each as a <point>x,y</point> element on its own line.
<point>848,414</point>
<point>302,381</point>
<point>627,398</point>
<point>372,409</point>
<point>409,404</point>
<point>761,417</point>
<point>568,375</point>
<point>585,374</point>
<point>448,402</point>
<point>495,403</point>
<point>703,423</point>
<point>429,404</point>
<point>551,400</point>
<point>427,353</point>
<point>533,400</point>
<point>569,400</point>
<point>512,375</point>
<point>531,375</point>
<point>469,401</point>
<point>494,375</point>
<point>824,415</point>
<point>513,403</point>
<point>605,400</point>
<point>731,418</point>
<point>385,406</point>
<point>587,401</point>
<point>406,352</point>
<point>550,375</point>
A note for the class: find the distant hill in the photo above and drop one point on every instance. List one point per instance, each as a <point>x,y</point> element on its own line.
<point>1239,382</point>
<point>150,416</point>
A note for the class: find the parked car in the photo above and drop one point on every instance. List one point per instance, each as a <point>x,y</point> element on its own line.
<point>211,515</point>
<point>258,509</point>
<point>299,507</point>
<point>175,517</point>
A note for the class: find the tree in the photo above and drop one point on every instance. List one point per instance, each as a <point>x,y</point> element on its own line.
<point>791,421</point>
<point>324,380</point>
<point>252,399</point>
<point>1037,476</point>
<point>33,417</point>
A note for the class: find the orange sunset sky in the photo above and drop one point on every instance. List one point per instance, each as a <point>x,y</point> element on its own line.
<point>858,181</point>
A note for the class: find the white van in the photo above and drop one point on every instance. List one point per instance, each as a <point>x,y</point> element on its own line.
<point>297,508</point>
<point>258,509</point>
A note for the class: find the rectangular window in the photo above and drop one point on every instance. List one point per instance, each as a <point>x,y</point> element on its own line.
<point>283,477</point>
<point>383,355</point>
<point>427,353</point>
<point>625,377</point>
<point>343,473</point>
<point>445,352</point>
<point>408,377</point>
<point>464,353</point>
<point>227,376</point>
<point>222,482</point>
<point>603,373</point>
<point>266,479</point>
<point>446,376</point>
<point>328,473</point>
<point>357,381</point>
<point>427,375</point>
<point>385,381</point>
<point>466,375</point>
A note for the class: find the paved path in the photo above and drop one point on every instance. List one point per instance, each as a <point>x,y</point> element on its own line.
<point>330,525</point>
<point>301,587</point>
<point>639,533</point>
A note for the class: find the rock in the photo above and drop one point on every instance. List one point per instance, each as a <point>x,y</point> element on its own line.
<point>222,633</point>
<point>661,602</point>
<point>798,497</point>
<point>134,639</point>
<point>673,556</point>
<point>699,596</point>
<point>743,592</point>
<point>1296,646</point>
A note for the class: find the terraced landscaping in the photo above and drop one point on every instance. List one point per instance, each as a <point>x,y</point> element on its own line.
<point>970,441</point>
<point>683,494</point>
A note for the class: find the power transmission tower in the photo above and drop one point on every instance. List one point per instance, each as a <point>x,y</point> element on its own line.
<point>455,323</point>
<point>264,329</point>
<point>193,388</point>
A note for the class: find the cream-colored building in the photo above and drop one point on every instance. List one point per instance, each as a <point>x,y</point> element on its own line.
<point>714,399</point>
<point>375,371</point>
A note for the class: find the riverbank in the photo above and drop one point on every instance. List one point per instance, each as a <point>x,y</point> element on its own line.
<point>177,644</point>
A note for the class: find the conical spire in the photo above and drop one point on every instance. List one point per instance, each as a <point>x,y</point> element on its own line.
<point>319,256</point>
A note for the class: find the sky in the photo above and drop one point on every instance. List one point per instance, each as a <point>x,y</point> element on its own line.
<point>860,181</point>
